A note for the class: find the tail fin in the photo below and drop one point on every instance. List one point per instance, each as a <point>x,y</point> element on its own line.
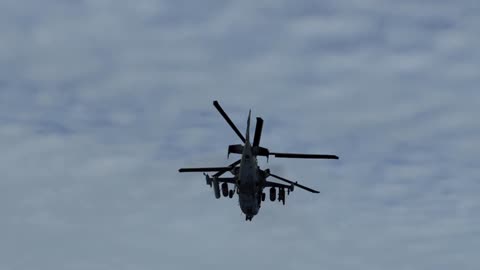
<point>247,136</point>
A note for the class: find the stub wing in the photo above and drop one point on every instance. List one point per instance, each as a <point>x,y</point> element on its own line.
<point>205,169</point>
<point>277,185</point>
<point>230,180</point>
<point>305,156</point>
<point>209,180</point>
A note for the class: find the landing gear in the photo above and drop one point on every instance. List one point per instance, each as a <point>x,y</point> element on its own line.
<point>231,193</point>
<point>248,218</point>
<point>263,196</point>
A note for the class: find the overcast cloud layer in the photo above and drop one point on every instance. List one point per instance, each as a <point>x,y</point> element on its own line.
<point>102,101</point>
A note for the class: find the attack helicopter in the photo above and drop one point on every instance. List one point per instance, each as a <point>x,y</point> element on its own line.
<point>249,180</point>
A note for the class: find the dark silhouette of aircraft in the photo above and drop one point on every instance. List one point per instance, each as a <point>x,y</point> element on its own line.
<point>248,179</point>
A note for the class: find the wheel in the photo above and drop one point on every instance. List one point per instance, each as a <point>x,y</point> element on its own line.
<point>231,193</point>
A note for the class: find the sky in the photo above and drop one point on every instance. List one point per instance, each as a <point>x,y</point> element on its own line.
<point>102,101</point>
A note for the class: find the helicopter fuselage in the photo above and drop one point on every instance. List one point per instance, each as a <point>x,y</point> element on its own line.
<point>249,186</point>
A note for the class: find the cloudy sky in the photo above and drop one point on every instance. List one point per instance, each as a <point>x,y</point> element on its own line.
<point>102,101</point>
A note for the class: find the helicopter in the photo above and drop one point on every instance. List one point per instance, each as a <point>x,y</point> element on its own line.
<point>249,180</point>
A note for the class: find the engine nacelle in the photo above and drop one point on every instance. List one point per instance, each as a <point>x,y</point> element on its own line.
<point>235,148</point>
<point>273,194</point>
<point>216,188</point>
<point>261,151</point>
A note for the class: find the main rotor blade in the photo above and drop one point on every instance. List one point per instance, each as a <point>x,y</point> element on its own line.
<point>230,167</point>
<point>207,169</point>
<point>295,183</point>
<point>307,156</point>
<point>258,132</point>
<point>225,116</point>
